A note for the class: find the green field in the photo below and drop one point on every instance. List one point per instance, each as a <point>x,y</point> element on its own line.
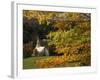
<point>30,63</point>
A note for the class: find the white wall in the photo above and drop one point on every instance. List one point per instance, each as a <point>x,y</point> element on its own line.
<point>5,38</point>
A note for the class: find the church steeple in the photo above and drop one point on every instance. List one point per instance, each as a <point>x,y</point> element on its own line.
<point>38,42</point>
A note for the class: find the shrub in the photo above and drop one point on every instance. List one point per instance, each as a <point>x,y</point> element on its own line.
<point>27,50</point>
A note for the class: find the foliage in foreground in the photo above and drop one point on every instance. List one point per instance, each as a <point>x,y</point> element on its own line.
<point>83,58</point>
